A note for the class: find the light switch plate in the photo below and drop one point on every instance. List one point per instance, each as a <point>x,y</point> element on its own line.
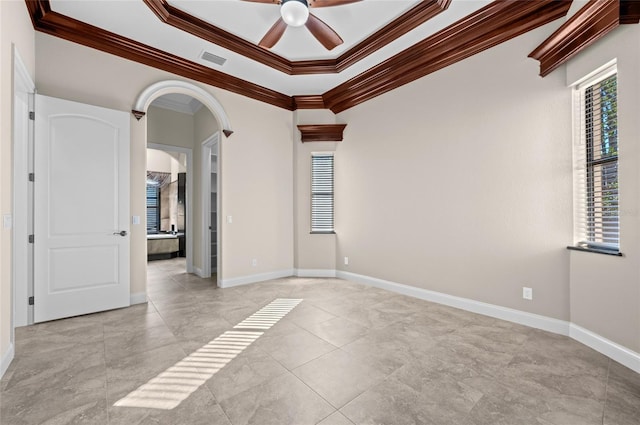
<point>135,219</point>
<point>7,222</point>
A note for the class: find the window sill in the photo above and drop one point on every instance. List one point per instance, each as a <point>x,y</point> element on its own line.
<point>596,250</point>
<point>322,233</point>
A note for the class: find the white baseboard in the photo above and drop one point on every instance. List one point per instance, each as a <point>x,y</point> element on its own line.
<point>198,272</point>
<point>314,273</point>
<point>615,351</point>
<point>609,348</point>
<point>138,298</point>
<point>528,319</point>
<point>7,358</point>
<point>244,280</point>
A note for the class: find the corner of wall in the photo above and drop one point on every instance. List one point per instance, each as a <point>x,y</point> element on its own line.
<point>312,253</point>
<point>7,358</point>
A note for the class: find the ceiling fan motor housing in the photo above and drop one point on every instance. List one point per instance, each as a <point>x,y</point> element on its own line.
<point>295,12</point>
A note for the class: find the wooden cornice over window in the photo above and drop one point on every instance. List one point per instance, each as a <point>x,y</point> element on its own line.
<point>595,20</point>
<point>322,132</point>
<point>404,23</point>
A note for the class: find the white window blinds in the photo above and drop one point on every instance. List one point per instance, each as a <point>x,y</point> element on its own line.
<point>153,208</point>
<point>597,223</point>
<point>322,192</point>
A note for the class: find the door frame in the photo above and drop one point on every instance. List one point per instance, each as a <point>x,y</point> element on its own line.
<point>189,194</point>
<point>210,146</point>
<point>22,198</point>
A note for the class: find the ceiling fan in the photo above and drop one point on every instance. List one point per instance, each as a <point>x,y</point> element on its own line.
<point>295,13</point>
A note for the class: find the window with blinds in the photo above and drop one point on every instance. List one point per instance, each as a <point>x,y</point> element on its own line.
<point>153,208</point>
<point>322,193</point>
<point>597,221</point>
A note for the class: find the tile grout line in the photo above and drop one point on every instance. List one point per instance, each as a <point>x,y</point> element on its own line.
<point>150,299</point>
<point>106,378</point>
<point>606,390</point>
<point>201,365</point>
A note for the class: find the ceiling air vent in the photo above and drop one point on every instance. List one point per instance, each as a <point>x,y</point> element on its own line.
<point>213,58</point>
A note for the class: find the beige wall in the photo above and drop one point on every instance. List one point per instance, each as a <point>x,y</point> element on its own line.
<point>15,29</point>
<point>171,128</point>
<point>255,166</point>
<point>162,162</point>
<point>260,146</point>
<point>605,290</point>
<point>205,125</point>
<point>461,182</point>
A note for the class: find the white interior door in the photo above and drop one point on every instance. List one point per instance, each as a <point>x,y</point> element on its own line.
<point>81,202</point>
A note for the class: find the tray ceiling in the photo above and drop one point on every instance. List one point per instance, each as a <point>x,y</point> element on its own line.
<point>355,22</point>
<point>387,43</point>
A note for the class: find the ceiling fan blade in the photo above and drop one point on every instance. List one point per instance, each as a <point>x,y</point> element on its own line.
<point>273,35</point>
<point>328,3</point>
<point>264,1</point>
<point>323,32</point>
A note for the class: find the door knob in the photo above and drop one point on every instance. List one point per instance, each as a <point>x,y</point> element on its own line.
<point>122,233</point>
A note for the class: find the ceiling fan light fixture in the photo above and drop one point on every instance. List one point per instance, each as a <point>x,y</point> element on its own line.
<point>294,12</point>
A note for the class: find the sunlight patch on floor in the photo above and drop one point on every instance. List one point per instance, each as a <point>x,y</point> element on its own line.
<point>269,315</point>
<point>167,390</point>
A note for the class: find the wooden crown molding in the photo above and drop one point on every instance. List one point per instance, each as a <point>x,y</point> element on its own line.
<point>629,11</point>
<point>406,22</point>
<point>322,132</point>
<point>49,22</point>
<point>180,19</point>
<point>592,22</point>
<point>495,23</point>
<point>308,102</point>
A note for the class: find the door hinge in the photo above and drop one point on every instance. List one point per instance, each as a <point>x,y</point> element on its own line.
<point>31,301</point>
<point>32,115</point>
<point>31,238</point>
<point>32,177</point>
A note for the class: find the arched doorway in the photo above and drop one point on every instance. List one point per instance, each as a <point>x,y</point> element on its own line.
<point>146,104</point>
<point>176,86</point>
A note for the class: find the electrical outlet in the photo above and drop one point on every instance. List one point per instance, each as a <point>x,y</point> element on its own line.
<point>254,262</point>
<point>527,293</point>
<point>346,261</point>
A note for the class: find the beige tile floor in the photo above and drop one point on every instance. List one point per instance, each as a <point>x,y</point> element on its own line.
<point>347,354</point>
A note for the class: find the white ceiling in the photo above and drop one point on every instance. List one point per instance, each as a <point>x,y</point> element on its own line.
<point>354,22</point>
<point>178,102</point>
